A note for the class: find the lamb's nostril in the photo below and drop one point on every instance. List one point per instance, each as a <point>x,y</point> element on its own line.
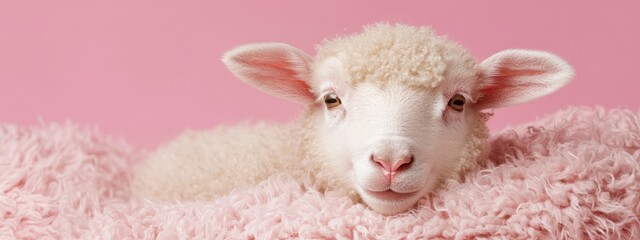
<point>383,163</point>
<point>402,164</point>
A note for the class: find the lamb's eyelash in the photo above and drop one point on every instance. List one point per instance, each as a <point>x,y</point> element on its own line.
<point>320,98</point>
<point>467,96</point>
<point>462,92</point>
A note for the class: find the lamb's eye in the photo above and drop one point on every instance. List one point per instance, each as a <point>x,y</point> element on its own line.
<point>332,100</point>
<point>457,102</point>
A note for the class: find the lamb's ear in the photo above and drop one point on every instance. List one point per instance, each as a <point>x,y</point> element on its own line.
<point>275,68</point>
<point>516,76</point>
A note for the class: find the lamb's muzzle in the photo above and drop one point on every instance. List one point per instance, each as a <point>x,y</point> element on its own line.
<point>390,166</point>
<point>392,156</point>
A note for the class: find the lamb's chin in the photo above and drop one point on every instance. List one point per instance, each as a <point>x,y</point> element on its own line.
<point>390,202</point>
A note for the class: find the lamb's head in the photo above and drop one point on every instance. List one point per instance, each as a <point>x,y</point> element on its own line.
<point>397,109</point>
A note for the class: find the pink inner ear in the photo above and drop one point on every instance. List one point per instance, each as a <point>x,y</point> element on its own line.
<point>503,85</point>
<point>516,79</point>
<point>276,70</point>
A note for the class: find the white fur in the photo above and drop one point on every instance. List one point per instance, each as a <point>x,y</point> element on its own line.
<point>391,141</point>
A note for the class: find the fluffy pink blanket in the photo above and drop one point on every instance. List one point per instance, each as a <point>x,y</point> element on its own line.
<point>574,174</point>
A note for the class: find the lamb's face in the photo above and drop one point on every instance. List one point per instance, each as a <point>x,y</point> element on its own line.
<point>399,105</point>
<point>392,142</point>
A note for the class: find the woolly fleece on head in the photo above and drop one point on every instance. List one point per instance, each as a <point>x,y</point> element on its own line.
<point>384,52</point>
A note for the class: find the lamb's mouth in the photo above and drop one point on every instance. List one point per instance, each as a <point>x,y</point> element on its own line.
<point>390,195</point>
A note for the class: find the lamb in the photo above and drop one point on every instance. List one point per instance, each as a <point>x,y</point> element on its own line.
<point>391,113</point>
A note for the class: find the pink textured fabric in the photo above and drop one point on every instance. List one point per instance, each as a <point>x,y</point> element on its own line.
<point>572,175</point>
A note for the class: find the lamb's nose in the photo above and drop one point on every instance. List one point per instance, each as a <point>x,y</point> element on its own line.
<point>392,166</point>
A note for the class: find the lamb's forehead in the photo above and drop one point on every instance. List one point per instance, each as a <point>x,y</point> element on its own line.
<point>398,53</point>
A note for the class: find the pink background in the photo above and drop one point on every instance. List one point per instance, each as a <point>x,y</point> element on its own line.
<point>146,70</point>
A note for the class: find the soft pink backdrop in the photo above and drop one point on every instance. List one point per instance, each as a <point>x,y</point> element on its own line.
<point>146,70</point>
